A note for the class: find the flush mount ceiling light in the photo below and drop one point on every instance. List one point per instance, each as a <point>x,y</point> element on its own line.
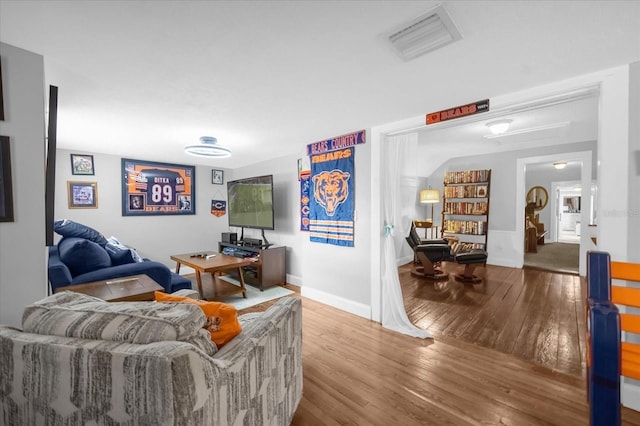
<point>544,128</point>
<point>428,32</point>
<point>560,165</point>
<point>208,147</point>
<point>499,127</point>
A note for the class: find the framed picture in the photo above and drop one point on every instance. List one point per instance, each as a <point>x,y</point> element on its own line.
<point>217,176</point>
<point>152,188</point>
<point>6,185</point>
<point>82,195</point>
<point>304,167</point>
<point>481,191</point>
<point>82,164</point>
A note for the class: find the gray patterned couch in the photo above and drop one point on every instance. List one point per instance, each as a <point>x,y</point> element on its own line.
<point>85,361</point>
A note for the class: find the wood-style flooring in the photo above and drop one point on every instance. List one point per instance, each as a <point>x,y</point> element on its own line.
<point>535,315</point>
<point>358,373</point>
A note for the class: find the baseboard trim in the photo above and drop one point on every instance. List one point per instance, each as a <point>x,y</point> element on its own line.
<point>338,302</point>
<point>294,279</point>
<point>630,396</point>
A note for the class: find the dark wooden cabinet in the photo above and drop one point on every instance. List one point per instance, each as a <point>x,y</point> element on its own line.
<point>268,265</point>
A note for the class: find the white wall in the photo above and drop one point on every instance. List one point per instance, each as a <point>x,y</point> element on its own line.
<point>22,242</point>
<point>631,387</point>
<point>338,276</point>
<point>634,163</point>
<point>154,237</point>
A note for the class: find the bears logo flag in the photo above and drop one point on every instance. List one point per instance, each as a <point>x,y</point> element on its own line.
<point>218,208</point>
<point>332,198</point>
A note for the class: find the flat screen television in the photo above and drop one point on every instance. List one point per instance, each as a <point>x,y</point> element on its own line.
<point>250,202</point>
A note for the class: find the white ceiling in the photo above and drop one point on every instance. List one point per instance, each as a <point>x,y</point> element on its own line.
<point>142,79</point>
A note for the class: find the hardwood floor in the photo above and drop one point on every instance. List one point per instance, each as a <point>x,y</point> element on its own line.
<point>535,315</point>
<point>358,373</point>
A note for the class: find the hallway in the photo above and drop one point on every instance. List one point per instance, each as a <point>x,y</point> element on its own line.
<point>555,257</point>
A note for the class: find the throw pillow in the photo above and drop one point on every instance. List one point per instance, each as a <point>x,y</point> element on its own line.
<point>118,255</point>
<point>82,256</point>
<point>117,245</point>
<point>222,318</point>
<point>69,228</point>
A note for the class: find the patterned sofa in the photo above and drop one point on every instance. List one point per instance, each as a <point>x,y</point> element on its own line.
<point>134,363</point>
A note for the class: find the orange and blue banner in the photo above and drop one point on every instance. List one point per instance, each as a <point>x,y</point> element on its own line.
<point>218,208</point>
<point>458,112</point>
<point>332,197</point>
<point>337,143</point>
<point>305,210</point>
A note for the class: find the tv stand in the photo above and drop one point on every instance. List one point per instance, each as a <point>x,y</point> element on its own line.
<point>264,239</point>
<point>267,266</point>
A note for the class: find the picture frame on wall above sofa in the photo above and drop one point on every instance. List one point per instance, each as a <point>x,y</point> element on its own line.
<point>82,195</point>
<point>6,184</point>
<point>217,176</point>
<point>152,188</point>
<point>82,164</point>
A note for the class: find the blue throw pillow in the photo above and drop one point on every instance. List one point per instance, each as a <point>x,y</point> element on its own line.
<point>119,256</point>
<point>69,228</point>
<point>82,256</point>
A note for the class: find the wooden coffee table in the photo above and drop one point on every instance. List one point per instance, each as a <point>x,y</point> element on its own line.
<point>134,288</point>
<point>215,264</point>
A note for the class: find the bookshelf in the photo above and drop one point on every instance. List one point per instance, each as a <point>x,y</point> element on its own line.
<point>465,213</point>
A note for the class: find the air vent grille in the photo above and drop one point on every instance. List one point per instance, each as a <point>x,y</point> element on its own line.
<point>426,33</point>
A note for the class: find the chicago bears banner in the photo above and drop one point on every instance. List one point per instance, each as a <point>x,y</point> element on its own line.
<point>305,184</point>
<point>332,200</point>
<point>335,144</point>
<point>218,208</point>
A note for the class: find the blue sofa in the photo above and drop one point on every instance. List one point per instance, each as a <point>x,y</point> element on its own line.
<point>83,255</point>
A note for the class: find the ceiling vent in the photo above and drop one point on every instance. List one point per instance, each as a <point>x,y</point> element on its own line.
<point>428,32</point>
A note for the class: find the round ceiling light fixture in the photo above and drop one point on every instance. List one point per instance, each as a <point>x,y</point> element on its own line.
<point>560,165</point>
<point>208,147</point>
<point>499,127</point>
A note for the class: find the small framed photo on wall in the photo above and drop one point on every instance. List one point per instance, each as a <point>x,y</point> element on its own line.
<point>82,195</point>
<point>82,164</point>
<point>217,177</point>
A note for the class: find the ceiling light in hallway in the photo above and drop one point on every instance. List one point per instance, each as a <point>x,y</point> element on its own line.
<point>560,165</point>
<point>499,127</point>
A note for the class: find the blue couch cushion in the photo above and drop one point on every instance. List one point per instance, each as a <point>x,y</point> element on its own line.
<point>69,228</point>
<point>81,255</point>
<point>118,255</point>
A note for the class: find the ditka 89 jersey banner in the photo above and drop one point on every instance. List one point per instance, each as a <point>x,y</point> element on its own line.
<point>332,197</point>
<point>150,188</point>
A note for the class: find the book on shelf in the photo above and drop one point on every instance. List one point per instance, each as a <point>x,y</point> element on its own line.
<point>472,227</point>
<point>466,176</point>
<point>465,208</point>
<point>466,191</point>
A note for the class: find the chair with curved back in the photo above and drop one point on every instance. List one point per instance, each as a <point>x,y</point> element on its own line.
<point>429,254</point>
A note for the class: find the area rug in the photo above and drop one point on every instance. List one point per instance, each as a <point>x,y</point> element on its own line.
<point>555,257</point>
<point>254,295</point>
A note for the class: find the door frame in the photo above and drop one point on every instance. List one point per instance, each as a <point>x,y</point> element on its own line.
<point>585,157</point>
